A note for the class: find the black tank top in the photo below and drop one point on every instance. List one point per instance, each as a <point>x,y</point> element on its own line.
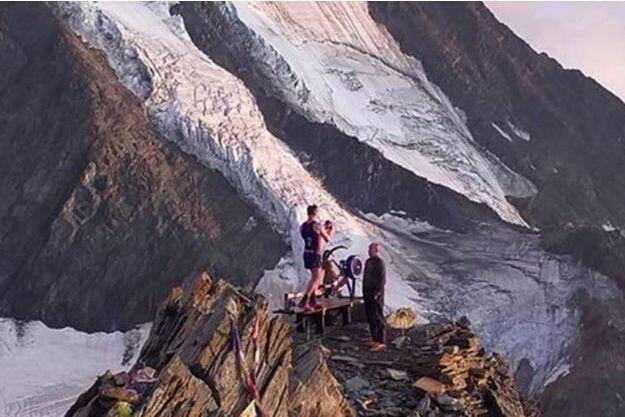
<point>310,236</point>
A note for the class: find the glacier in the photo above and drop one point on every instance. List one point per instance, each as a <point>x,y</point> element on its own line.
<point>43,370</point>
<point>332,63</point>
<point>211,114</point>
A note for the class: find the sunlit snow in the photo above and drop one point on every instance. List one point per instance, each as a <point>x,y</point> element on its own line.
<point>43,370</point>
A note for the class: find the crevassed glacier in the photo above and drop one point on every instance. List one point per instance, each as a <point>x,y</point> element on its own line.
<point>210,113</point>
<point>334,64</point>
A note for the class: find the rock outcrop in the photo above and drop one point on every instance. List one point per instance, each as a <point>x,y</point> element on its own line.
<point>433,369</point>
<point>216,351</point>
<point>601,248</point>
<point>200,371</point>
<point>97,209</point>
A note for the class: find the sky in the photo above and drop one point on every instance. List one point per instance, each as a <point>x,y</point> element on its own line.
<point>589,36</point>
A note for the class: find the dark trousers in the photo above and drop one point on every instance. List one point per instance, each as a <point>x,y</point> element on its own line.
<point>374,310</point>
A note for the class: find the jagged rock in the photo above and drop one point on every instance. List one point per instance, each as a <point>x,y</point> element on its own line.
<point>199,372</point>
<point>344,358</point>
<point>356,384</point>
<point>424,405</point>
<point>314,391</point>
<point>120,394</point>
<point>448,402</point>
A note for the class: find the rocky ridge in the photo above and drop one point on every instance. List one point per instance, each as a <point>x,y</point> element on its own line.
<point>216,351</point>
<point>438,367</point>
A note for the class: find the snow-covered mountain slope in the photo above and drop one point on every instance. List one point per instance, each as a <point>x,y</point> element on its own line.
<point>332,63</point>
<point>43,370</point>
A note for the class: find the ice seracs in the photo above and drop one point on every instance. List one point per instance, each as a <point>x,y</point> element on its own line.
<point>334,64</point>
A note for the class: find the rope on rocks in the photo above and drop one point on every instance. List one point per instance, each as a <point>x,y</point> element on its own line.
<point>250,378</point>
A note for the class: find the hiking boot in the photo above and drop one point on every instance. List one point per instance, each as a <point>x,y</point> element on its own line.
<point>377,346</point>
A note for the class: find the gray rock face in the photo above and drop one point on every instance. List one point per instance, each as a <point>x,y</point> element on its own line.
<point>97,210</point>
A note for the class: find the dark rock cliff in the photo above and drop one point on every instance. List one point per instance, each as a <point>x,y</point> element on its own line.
<point>97,211</point>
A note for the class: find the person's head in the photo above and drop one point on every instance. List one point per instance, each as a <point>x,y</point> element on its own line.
<point>374,249</point>
<point>312,211</point>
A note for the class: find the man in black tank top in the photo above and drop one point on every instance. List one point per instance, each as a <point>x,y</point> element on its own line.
<point>314,236</point>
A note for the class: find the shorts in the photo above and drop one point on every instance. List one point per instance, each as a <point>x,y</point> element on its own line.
<point>312,260</point>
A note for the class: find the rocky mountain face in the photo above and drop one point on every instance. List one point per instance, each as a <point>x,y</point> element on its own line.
<point>557,127</point>
<point>99,215</point>
<point>215,351</point>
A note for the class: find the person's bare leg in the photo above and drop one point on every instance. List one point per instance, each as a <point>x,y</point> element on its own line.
<point>306,296</point>
<point>312,286</point>
<point>317,281</point>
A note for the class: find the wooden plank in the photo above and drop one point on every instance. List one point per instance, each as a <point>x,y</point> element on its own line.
<point>326,304</point>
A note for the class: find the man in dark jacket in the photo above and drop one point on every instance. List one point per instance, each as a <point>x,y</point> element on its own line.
<point>373,292</point>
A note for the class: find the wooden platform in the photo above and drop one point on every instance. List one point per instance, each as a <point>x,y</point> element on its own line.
<point>330,310</point>
<point>326,304</point>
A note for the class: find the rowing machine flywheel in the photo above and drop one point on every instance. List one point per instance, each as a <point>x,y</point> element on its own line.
<point>353,266</point>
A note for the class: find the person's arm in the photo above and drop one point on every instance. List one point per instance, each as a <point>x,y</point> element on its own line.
<point>366,276</point>
<point>380,278</point>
